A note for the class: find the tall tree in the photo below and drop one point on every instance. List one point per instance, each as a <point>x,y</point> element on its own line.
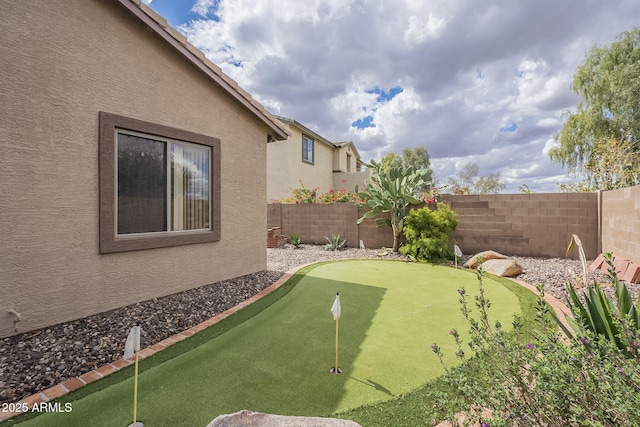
<point>609,110</point>
<point>468,180</point>
<point>418,158</point>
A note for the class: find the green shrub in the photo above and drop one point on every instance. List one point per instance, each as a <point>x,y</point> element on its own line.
<point>428,233</point>
<point>537,377</point>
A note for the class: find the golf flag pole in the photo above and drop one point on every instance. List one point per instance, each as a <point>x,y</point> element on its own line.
<point>131,349</point>
<point>457,252</point>
<point>336,310</point>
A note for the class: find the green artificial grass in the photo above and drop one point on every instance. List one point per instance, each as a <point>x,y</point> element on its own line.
<point>275,355</point>
<point>418,407</point>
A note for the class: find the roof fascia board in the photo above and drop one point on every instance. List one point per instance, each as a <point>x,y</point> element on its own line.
<point>159,25</point>
<point>307,131</point>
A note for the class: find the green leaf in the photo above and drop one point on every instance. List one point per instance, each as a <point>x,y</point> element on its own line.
<point>412,200</point>
<point>624,299</point>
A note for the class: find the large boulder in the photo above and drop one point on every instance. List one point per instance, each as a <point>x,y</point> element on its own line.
<point>246,418</point>
<point>502,267</point>
<point>486,255</point>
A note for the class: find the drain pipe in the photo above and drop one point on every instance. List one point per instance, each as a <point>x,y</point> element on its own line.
<point>17,318</point>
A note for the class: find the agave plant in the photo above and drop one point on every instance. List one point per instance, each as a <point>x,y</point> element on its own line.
<point>599,314</point>
<point>295,240</point>
<point>334,243</point>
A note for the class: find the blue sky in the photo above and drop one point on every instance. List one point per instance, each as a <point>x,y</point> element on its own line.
<point>473,81</point>
<point>176,12</point>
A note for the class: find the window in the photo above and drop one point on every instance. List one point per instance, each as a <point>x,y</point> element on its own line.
<point>307,149</point>
<point>348,162</point>
<point>159,186</point>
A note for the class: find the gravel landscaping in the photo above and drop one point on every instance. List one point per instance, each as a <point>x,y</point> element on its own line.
<point>40,359</point>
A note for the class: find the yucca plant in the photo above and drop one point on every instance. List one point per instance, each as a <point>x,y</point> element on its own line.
<point>599,314</point>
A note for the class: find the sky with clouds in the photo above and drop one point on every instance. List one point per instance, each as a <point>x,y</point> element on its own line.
<point>473,81</point>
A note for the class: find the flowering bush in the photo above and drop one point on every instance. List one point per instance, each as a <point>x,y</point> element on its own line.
<point>431,196</point>
<point>539,377</point>
<point>304,195</point>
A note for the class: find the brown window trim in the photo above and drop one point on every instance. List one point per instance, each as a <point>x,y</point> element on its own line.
<point>109,241</point>
<point>313,150</point>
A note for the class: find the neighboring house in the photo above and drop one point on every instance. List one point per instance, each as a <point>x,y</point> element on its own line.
<point>312,160</point>
<point>131,166</point>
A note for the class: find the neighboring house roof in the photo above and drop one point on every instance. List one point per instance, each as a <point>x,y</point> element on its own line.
<point>315,136</point>
<point>306,130</point>
<point>179,42</point>
<point>347,143</point>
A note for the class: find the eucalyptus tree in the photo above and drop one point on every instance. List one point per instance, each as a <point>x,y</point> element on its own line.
<point>603,134</point>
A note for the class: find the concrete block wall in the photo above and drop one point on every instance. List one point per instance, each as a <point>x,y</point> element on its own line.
<point>621,223</point>
<point>515,224</point>
<point>526,224</point>
<point>314,222</point>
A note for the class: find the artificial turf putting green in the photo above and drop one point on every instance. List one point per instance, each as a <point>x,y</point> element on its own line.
<point>278,361</point>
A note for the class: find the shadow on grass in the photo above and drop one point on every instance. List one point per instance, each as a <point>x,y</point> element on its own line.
<point>276,360</point>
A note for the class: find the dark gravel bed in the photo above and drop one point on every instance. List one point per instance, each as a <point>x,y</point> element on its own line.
<point>37,360</point>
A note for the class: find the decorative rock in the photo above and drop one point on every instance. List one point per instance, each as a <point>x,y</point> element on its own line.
<point>502,267</point>
<point>486,255</point>
<point>246,418</point>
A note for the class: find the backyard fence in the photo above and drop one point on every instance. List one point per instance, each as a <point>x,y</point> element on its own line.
<point>535,224</point>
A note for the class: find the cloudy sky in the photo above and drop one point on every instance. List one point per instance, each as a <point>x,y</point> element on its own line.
<point>473,81</point>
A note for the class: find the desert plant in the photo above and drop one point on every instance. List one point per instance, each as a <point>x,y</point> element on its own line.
<point>428,233</point>
<point>389,192</point>
<point>620,323</point>
<point>534,377</point>
<point>295,240</point>
<point>334,243</point>
<point>583,258</point>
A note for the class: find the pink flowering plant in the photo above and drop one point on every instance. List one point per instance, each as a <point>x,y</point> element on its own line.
<point>534,375</point>
<point>304,195</point>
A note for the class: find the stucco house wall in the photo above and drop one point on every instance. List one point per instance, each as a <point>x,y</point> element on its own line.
<point>64,62</point>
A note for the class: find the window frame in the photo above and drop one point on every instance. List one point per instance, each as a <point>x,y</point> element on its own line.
<point>304,152</point>
<point>110,241</point>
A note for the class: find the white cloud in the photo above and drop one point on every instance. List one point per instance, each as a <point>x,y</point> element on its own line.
<point>201,7</point>
<point>420,29</point>
<point>467,71</point>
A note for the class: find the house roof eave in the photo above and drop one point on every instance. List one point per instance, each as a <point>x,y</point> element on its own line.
<point>159,25</point>
<point>306,131</point>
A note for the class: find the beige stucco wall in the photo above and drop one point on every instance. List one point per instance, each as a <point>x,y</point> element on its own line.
<point>348,180</point>
<point>621,223</point>
<point>340,158</point>
<point>63,62</point>
<point>286,167</point>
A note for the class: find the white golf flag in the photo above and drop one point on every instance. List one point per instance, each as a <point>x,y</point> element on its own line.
<point>457,251</point>
<point>335,308</point>
<point>133,343</point>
